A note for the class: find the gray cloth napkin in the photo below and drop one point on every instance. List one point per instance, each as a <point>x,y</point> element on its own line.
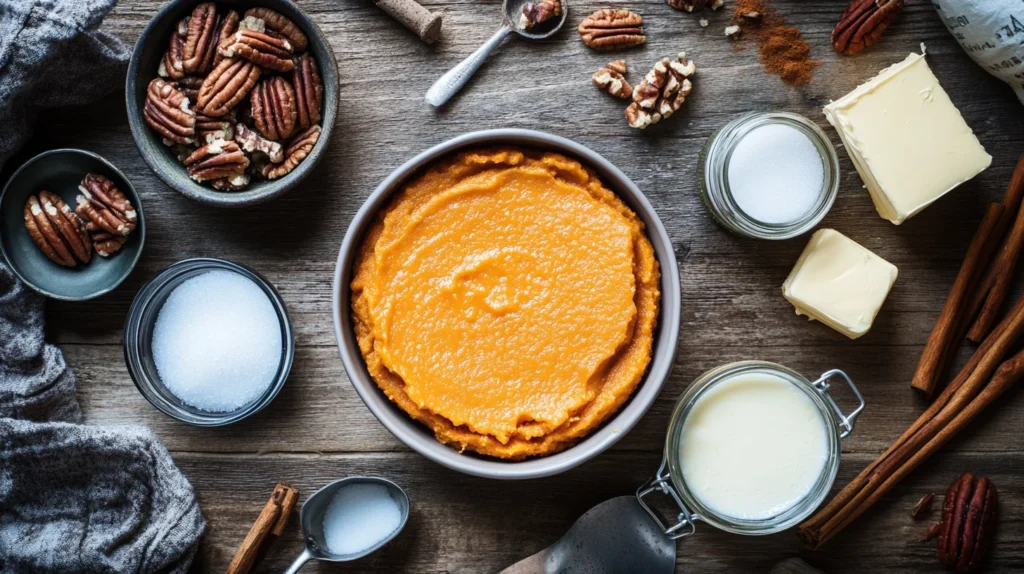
<point>78,498</point>
<point>52,54</point>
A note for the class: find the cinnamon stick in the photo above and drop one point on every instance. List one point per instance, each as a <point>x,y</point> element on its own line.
<point>268,527</point>
<point>1008,257</point>
<point>952,322</point>
<point>937,423</point>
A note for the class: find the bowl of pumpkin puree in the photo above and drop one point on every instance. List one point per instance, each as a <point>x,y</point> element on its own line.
<point>507,303</point>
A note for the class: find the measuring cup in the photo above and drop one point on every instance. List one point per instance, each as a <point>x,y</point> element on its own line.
<point>669,478</point>
<point>453,80</point>
<point>312,518</point>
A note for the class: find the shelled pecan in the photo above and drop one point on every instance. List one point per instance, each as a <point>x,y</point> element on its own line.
<point>609,29</point>
<point>227,28</point>
<point>226,85</point>
<point>215,160</point>
<point>297,150</point>
<point>104,207</point>
<point>201,39</point>
<point>209,129</point>
<point>56,230</point>
<point>272,106</point>
<point>662,91</point>
<point>536,13</point>
<point>267,51</point>
<point>612,79</point>
<point>189,85</point>
<point>279,23</point>
<point>167,111</point>
<point>173,63</point>
<point>863,23</point>
<point>107,244</point>
<point>251,142</point>
<point>969,515</point>
<point>309,91</point>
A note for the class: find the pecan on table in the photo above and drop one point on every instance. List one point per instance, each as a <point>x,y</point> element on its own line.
<point>279,23</point>
<point>226,85</point>
<point>252,142</point>
<point>173,63</point>
<point>297,150</point>
<point>272,106</point>
<point>612,79</point>
<point>167,111</point>
<point>56,230</point>
<point>309,91</point>
<point>271,52</point>
<point>862,24</point>
<point>969,515</point>
<point>104,207</point>
<point>609,29</point>
<point>215,160</point>
<point>662,92</point>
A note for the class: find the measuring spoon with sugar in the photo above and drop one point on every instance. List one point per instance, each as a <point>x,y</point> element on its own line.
<point>453,80</point>
<point>350,518</point>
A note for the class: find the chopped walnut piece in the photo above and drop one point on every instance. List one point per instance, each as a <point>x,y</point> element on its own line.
<point>612,79</point>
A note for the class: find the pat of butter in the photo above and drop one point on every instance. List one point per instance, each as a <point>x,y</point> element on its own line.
<point>907,140</point>
<point>840,283</point>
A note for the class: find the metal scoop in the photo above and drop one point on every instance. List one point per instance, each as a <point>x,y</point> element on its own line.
<point>614,536</point>
<point>449,84</point>
<point>312,518</point>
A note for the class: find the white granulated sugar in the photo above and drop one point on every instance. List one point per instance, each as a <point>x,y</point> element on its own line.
<point>775,174</point>
<point>358,517</point>
<point>217,341</point>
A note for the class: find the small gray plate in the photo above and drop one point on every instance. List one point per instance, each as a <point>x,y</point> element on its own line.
<point>60,171</point>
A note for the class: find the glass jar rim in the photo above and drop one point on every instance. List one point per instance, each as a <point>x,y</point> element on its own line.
<point>794,513</point>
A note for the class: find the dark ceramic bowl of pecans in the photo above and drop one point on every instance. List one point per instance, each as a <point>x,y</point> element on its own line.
<point>233,102</point>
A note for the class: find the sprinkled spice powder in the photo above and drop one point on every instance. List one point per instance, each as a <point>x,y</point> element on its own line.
<point>783,49</point>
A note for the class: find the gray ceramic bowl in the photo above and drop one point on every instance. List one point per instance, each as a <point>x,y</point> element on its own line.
<point>142,69</point>
<point>417,436</point>
<point>60,171</point>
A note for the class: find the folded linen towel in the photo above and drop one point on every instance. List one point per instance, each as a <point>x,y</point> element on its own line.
<point>78,498</point>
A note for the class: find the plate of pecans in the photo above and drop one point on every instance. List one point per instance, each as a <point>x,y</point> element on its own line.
<point>232,102</point>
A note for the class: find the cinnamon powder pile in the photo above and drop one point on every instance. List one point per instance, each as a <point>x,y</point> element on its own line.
<point>783,49</point>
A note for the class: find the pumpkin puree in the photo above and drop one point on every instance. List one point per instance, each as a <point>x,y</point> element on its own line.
<point>507,300</point>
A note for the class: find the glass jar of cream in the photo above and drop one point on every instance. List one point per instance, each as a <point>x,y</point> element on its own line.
<point>768,175</point>
<point>752,448</point>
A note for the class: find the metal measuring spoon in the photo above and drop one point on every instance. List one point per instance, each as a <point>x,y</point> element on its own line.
<point>449,84</point>
<point>614,536</point>
<point>312,518</point>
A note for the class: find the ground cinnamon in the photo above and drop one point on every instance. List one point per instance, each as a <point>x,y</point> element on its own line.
<point>782,48</point>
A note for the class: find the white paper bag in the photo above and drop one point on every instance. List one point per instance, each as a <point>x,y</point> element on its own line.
<point>992,34</point>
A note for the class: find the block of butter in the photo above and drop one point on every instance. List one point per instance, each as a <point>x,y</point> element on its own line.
<point>840,283</point>
<point>907,140</point>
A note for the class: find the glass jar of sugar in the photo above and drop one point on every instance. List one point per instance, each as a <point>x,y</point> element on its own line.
<point>768,175</point>
<point>752,448</point>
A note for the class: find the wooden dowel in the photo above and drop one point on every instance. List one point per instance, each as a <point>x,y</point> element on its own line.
<point>1008,257</point>
<point>948,331</point>
<point>268,526</point>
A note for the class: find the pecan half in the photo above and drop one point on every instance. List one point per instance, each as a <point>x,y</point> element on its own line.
<point>264,50</point>
<point>282,25</point>
<point>227,27</point>
<point>167,111</point>
<point>201,39</point>
<point>58,232</point>
<point>209,129</point>
<point>173,63</point>
<point>226,85</point>
<point>189,85</point>
<point>536,13</point>
<point>107,244</point>
<point>608,29</point>
<point>969,514</point>
<point>612,79</point>
<point>251,142</point>
<point>104,207</point>
<point>662,91</point>
<point>216,160</point>
<point>863,23</point>
<point>309,91</point>
<point>272,107</point>
<point>297,150</point>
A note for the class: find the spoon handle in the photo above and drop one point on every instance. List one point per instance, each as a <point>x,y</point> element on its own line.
<point>452,81</point>
<point>299,562</point>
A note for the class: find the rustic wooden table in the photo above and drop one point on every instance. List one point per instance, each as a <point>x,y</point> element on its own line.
<point>318,430</point>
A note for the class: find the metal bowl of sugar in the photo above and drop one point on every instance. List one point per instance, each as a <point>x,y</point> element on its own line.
<point>208,342</point>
